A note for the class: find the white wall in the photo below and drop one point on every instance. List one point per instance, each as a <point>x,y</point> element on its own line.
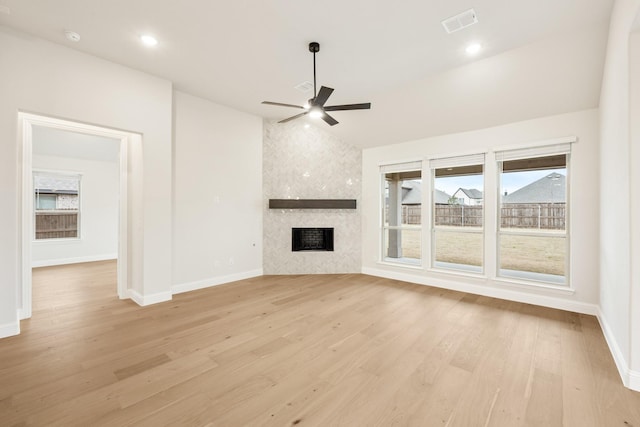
<point>98,213</point>
<point>619,274</point>
<point>583,201</point>
<point>41,77</point>
<point>217,207</point>
<point>308,163</point>
<point>634,112</point>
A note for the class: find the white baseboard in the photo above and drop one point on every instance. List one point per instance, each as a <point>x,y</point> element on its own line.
<point>214,281</point>
<point>76,260</point>
<point>630,379</point>
<point>634,380</point>
<point>10,329</point>
<point>618,356</point>
<point>508,294</point>
<point>144,300</point>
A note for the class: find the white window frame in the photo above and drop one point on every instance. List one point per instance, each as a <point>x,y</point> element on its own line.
<point>409,166</point>
<point>456,161</point>
<point>562,146</point>
<point>64,174</point>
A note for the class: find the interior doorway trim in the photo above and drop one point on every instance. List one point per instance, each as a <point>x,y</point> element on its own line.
<point>26,122</point>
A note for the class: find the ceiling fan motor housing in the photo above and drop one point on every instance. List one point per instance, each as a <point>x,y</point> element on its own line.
<point>314,47</point>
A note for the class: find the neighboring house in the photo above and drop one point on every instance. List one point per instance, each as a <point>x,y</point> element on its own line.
<point>549,189</point>
<point>55,193</point>
<point>412,194</point>
<point>56,200</point>
<point>412,201</point>
<point>441,197</point>
<point>467,196</point>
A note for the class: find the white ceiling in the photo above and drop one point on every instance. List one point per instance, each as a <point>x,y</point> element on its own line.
<point>394,54</point>
<point>62,143</point>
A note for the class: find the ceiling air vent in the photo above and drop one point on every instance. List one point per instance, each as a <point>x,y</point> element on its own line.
<point>460,21</point>
<point>304,87</point>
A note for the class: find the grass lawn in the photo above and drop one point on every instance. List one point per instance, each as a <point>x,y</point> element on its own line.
<point>538,254</point>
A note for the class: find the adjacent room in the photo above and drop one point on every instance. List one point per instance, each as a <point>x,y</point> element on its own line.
<point>292,213</point>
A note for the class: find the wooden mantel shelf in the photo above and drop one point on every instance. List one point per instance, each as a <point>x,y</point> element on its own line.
<point>312,203</point>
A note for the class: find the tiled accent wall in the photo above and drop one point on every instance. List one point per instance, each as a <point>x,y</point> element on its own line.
<point>309,163</point>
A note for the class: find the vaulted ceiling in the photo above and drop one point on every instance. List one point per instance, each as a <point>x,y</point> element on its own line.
<point>539,57</point>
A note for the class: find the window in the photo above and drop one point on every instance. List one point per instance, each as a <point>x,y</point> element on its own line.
<point>45,201</point>
<point>533,203</point>
<point>402,213</point>
<point>56,205</point>
<point>458,213</point>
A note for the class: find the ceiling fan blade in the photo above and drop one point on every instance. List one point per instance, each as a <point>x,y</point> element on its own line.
<point>363,106</point>
<point>323,95</point>
<point>281,104</point>
<point>330,120</point>
<point>293,117</point>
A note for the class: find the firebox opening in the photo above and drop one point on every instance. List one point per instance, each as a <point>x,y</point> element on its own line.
<point>311,239</point>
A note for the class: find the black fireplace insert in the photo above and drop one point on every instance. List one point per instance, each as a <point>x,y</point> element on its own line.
<point>311,239</point>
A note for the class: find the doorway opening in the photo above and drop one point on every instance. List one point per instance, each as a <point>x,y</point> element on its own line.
<point>54,205</point>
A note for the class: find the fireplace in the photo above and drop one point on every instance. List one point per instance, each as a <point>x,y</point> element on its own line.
<point>311,239</point>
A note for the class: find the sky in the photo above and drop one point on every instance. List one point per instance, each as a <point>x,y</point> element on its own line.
<point>510,181</point>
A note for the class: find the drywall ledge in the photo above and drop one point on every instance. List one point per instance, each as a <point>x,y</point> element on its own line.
<point>312,203</point>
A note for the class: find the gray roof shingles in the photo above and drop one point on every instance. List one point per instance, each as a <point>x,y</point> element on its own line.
<point>412,194</point>
<point>548,189</point>
<point>54,184</point>
<point>471,193</point>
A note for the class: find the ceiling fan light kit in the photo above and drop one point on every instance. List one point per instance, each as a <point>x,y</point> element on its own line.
<point>315,106</point>
<point>315,112</point>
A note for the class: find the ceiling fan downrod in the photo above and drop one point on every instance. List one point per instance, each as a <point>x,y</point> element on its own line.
<point>314,47</point>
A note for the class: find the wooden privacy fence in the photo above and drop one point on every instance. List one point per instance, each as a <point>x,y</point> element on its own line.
<point>546,216</point>
<point>459,215</point>
<point>411,214</point>
<point>56,225</point>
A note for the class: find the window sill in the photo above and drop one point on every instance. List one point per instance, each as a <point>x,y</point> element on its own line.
<point>401,264</point>
<point>516,283</point>
<point>68,241</point>
<point>454,272</point>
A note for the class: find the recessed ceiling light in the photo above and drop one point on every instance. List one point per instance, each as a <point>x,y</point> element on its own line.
<point>307,126</point>
<point>148,40</point>
<point>72,35</point>
<point>473,48</point>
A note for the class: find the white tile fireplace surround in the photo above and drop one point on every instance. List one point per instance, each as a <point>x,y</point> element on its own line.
<point>308,163</point>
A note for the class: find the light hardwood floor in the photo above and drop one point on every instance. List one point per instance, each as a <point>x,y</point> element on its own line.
<point>322,350</point>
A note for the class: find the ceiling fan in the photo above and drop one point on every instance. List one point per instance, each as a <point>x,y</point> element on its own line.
<point>315,107</point>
